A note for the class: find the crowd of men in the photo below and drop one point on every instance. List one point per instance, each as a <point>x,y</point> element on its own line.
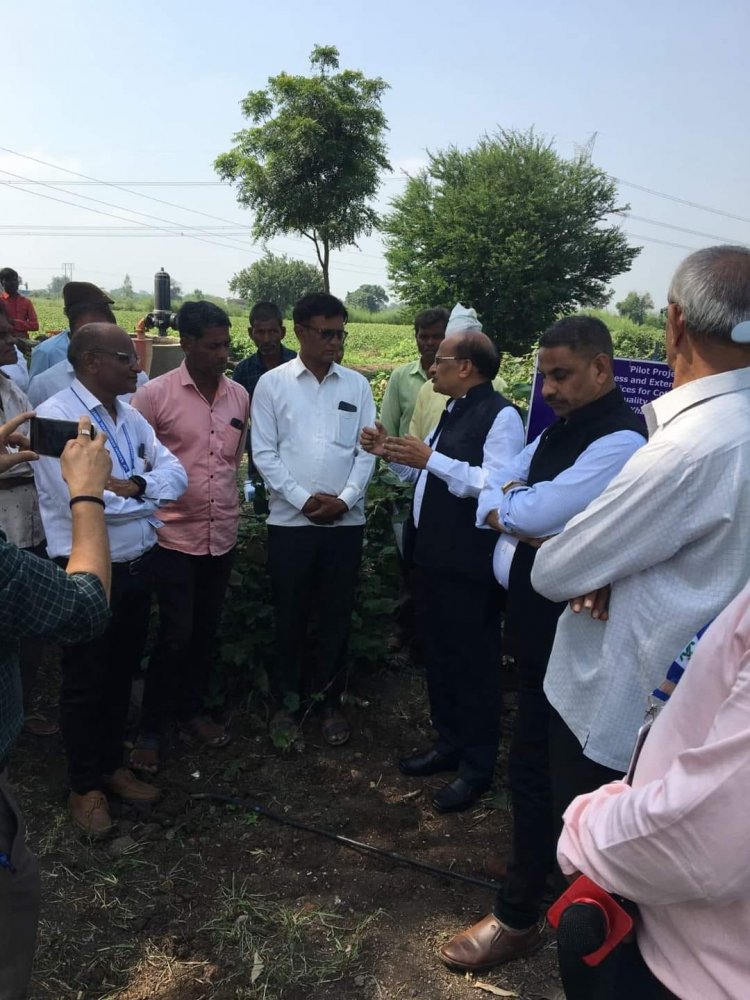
<point>593,554</point>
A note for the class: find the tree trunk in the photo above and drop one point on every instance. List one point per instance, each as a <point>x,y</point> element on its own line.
<point>324,263</point>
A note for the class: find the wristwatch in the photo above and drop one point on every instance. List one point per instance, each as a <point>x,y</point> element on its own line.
<point>512,484</point>
<point>140,482</point>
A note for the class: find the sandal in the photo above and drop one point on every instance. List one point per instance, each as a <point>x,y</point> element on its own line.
<point>38,725</point>
<point>204,732</point>
<point>283,729</point>
<point>144,757</point>
<point>335,728</point>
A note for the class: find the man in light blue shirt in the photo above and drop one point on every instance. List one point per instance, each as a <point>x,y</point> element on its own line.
<point>83,303</point>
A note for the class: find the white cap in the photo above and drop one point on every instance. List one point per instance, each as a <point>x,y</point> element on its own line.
<point>741,333</point>
<point>462,320</point>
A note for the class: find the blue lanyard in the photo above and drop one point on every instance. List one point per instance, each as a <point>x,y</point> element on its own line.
<point>112,438</point>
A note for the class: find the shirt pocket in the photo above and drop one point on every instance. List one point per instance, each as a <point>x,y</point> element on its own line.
<point>347,426</point>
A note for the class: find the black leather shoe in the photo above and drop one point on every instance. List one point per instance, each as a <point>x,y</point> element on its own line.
<point>456,796</point>
<point>420,765</point>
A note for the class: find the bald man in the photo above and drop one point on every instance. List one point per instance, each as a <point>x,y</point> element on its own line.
<point>458,600</point>
<point>145,476</point>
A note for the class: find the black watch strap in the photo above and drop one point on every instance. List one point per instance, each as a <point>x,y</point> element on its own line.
<point>140,482</point>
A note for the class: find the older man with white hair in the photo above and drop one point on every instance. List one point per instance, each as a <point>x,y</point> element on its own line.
<point>458,600</point>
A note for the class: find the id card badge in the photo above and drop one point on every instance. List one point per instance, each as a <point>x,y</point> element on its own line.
<point>155,522</point>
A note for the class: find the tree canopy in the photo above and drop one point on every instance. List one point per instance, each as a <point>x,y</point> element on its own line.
<point>373,298</point>
<point>312,159</point>
<point>277,278</point>
<point>635,307</point>
<point>510,228</point>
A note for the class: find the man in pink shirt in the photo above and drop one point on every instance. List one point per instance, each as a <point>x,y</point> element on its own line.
<point>676,842</point>
<point>201,416</point>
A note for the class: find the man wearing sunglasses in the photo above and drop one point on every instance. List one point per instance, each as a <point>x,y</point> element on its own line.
<point>307,415</point>
<point>96,676</point>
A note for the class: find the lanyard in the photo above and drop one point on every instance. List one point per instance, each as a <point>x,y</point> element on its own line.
<point>112,438</point>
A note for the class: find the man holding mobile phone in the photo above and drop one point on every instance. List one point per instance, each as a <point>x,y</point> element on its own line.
<point>97,675</point>
<point>38,599</point>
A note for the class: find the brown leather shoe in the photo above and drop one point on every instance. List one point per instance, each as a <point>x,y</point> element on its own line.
<point>90,813</point>
<point>489,943</point>
<point>124,784</point>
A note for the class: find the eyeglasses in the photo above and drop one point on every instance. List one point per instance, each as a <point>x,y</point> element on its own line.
<point>446,357</point>
<point>126,359</point>
<point>327,334</point>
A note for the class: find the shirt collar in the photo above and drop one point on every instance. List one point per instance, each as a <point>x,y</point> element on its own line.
<point>664,409</point>
<point>90,401</point>
<point>415,368</point>
<point>299,368</point>
<point>187,379</point>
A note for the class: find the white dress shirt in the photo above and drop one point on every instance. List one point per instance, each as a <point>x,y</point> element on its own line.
<point>19,372</point>
<point>503,442</point>
<point>60,376</point>
<point>670,534</point>
<point>19,506</point>
<point>545,508</point>
<point>304,442</point>
<point>131,523</point>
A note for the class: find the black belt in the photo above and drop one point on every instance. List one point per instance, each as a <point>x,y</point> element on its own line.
<point>132,566</point>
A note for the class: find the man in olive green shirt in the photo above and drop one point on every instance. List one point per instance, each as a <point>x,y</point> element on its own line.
<point>406,380</point>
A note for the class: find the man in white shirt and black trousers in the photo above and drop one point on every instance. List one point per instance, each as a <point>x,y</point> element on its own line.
<point>307,415</point>
<point>458,602</point>
<point>97,675</point>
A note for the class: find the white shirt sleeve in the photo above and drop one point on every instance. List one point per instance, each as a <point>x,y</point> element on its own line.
<point>545,508</point>
<point>658,487</point>
<point>503,442</point>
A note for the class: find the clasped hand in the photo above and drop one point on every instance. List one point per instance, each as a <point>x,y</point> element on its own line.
<point>324,508</point>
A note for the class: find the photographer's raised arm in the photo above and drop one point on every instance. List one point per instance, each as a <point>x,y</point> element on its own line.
<point>86,467</point>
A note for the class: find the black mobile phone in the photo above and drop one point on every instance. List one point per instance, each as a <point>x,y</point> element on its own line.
<point>49,437</point>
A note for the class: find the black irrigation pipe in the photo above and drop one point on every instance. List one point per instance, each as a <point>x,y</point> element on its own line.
<point>355,845</point>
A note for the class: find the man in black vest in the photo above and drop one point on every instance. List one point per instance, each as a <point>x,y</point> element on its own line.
<point>458,602</point>
<point>554,478</point>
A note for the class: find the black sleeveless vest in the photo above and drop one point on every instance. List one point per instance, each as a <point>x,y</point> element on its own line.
<point>531,620</point>
<point>447,538</point>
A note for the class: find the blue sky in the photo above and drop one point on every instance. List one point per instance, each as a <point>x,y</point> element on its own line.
<point>146,92</point>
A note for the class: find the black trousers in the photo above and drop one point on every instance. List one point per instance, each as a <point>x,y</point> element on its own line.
<point>97,677</point>
<point>314,573</point>
<point>547,770</point>
<point>191,591</point>
<point>459,628</point>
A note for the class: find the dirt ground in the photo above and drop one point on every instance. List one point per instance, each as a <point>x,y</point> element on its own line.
<point>198,899</point>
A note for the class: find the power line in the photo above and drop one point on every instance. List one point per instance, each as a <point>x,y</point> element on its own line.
<point>679,229</point>
<point>118,186</point>
<point>680,201</point>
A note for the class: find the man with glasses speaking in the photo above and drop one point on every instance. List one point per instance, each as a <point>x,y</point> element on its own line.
<point>96,676</point>
<point>307,415</point>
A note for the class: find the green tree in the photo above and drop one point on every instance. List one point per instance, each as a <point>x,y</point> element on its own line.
<point>510,228</point>
<point>277,278</point>
<point>55,286</point>
<point>373,298</point>
<point>128,295</point>
<point>635,307</point>
<point>311,162</point>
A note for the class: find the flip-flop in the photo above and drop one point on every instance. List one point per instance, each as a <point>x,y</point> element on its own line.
<point>283,729</point>
<point>334,727</point>
<point>144,757</point>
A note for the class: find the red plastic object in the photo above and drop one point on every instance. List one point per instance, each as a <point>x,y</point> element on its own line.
<point>583,890</point>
